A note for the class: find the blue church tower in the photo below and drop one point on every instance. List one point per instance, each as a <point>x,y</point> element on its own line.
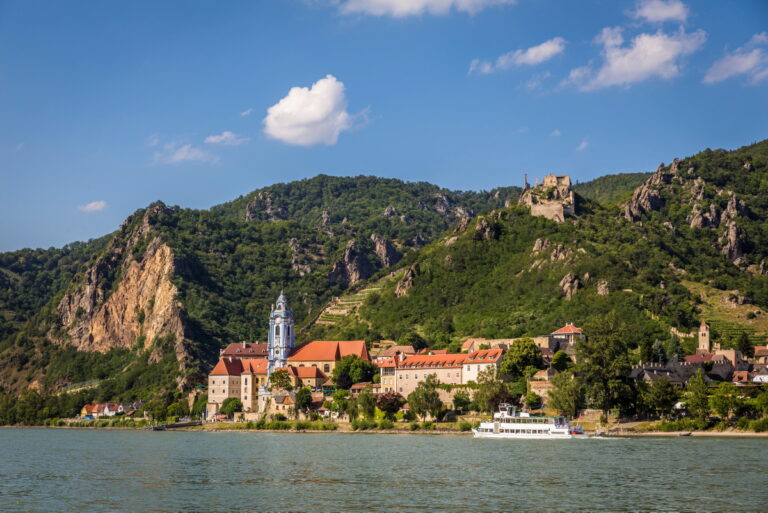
<point>280,342</point>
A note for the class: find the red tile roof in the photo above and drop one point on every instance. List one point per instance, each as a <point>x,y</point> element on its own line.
<point>329,351</point>
<point>432,361</point>
<point>427,350</point>
<point>255,366</point>
<point>568,329</point>
<point>393,350</point>
<point>246,350</point>
<point>484,356</point>
<point>228,367</point>
<point>701,358</point>
<point>387,362</point>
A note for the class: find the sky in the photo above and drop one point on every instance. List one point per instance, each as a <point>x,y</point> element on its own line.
<point>107,106</point>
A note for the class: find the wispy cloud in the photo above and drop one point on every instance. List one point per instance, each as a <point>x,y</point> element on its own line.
<point>247,112</point>
<point>647,56</point>
<point>555,133</point>
<point>750,60</point>
<point>583,145</point>
<point>93,206</point>
<point>403,8</point>
<point>657,11</point>
<point>307,116</point>
<point>527,57</point>
<point>175,152</point>
<point>537,81</point>
<point>226,138</point>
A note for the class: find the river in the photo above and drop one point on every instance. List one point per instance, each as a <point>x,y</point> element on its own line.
<point>68,470</point>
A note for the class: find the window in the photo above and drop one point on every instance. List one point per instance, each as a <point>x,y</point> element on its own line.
<point>326,368</point>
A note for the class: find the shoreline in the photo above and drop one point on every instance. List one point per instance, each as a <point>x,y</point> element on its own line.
<point>433,432</point>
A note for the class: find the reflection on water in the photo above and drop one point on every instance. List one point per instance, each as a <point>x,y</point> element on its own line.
<point>77,470</point>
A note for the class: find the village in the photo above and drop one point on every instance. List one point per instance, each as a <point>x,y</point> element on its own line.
<point>279,380</point>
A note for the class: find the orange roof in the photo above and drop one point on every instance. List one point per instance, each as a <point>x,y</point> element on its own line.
<point>568,329</point>
<point>304,372</point>
<point>432,361</point>
<point>468,343</point>
<point>427,350</point>
<point>254,366</point>
<point>393,350</point>
<point>228,367</point>
<point>246,350</point>
<point>485,356</point>
<point>329,351</point>
<point>388,361</point>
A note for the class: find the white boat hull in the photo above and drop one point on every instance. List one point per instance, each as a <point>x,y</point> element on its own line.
<point>527,436</point>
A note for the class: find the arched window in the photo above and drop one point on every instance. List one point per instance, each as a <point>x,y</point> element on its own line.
<point>277,331</point>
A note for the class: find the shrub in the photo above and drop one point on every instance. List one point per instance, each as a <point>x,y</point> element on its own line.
<point>465,426</point>
<point>427,424</point>
<point>279,416</point>
<point>759,425</point>
<point>278,425</point>
<point>414,426</point>
<point>363,424</point>
<point>386,424</point>
<point>302,425</point>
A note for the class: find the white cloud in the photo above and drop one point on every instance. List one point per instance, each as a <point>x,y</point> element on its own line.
<point>657,11</point>
<point>247,112</point>
<point>402,8</point>
<point>647,56</point>
<point>176,153</point>
<point>745,60</point>
<point>310,116</point>
<point>536,81</point>
<point>528,57</point>
<point>583,145</point>
<point>93,206</point>
<point>226,138</point>
<point>555,133</point>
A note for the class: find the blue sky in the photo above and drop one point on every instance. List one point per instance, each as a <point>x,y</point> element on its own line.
<point>106,106</point>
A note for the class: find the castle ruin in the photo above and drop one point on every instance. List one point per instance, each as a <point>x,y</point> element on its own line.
<point>553,198</point>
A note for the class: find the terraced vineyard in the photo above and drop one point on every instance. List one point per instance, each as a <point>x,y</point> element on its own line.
<point>341,307</point>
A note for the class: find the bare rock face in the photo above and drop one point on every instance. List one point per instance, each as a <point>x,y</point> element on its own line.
<point>462,225</point>
<point>602,288</point>
<point>669,227</point>
<point>406,282</point>
<point>699,219</point>
<point>732,243</point>
<point>748,166</point>
<point>352,268</point>
<point>485,230</point>
<point>734,209</point>
<point>560,253</point>
<point>390,211</point>
<point>569,284</point>
<point>448,260</point>
<point>263,207</point>
<point>325,220</point>
<point>646,198</point>
<point>384,249</point>
<point>298,257</point>
<point>418,241</point>
<point>442,205</point>
<point>126,299</point>
<point>541,245</point>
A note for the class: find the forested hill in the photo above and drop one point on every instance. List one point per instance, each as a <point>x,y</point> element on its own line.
<point>145,310</point>
<point>611,188</point>
<point>689,244</point>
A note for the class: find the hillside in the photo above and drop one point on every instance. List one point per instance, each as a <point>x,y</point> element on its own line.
<point>143,312</point>
<point>611,188</point>
<point>700,219</point>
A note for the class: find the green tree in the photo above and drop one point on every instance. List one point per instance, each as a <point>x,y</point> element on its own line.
<point>303,399</point>
<point>761,401</point>
<point>725,400</point>
<point>200,405</point>
<point>491,391</point>
<point>744,345</point>
<point>661,396</point>
<point>352,409</point>
<point>367,403</point>
<point>523,354</point>
<point>413,339</point>
<point>697,395</point>
<point>533,400</point>
<point>351,369</point>
<point>461,401</point>
<point>390,403</point>
<point>561,361</point>
<point>280,379</point>
<point>603,363</point>
<point>230,406</point>
<point>425,398</point>
<point>340,401</point>
<point>177,409</point>
<point>567,394</point>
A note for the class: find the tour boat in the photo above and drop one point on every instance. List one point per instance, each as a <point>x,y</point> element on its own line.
<point>509,423</point>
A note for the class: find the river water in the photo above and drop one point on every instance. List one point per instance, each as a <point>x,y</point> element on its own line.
<point>67,470</point>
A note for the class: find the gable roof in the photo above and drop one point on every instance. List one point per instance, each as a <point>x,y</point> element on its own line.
<point>255,366</point>
<point>393,350</point>
<point>432,361</point>
<point>228,367</point>
<point>329,351</point>
<point>568,329</point>
<point>246,350</point>
<point>484,356</point>
<point>304,372</point>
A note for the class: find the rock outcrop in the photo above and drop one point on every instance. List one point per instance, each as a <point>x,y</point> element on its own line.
<point>352,268</point>
<point>485,230</point>
<point>127,300</point>
<point>298,257</point>
<point>385,251</point>
<point>263,207</point>
<point>647,198</point>
<point>602,288</point>
<point>406,282</point>
<point>732,243</point>
<point>569,285</point>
